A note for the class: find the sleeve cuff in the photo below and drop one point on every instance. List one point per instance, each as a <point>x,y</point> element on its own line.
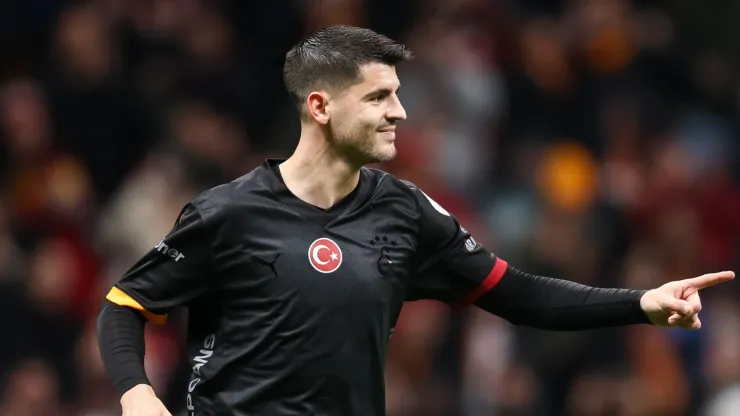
<point>498,271</point>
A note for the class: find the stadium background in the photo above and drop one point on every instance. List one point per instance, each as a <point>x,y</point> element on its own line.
<point>594,140</point>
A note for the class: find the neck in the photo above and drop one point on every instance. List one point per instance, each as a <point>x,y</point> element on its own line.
<point>317,174</point>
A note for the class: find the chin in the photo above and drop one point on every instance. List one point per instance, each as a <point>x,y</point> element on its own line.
<point>374,152</point>
<point>385,155</point>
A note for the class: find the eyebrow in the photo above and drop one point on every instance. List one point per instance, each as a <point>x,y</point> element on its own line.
<point>380,91</point>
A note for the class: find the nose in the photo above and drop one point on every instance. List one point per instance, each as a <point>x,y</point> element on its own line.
<point>395,110</point>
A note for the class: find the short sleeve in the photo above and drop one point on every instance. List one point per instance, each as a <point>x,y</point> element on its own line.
<point>453,266</point>
<point>174,272</point>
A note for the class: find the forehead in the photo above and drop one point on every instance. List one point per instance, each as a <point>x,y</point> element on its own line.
<point>376,76</point>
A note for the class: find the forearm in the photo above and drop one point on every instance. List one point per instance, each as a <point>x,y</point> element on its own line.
<point>121,344</point>
<point>554,304</point>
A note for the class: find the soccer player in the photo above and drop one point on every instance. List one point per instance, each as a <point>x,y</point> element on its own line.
<point>295,274</point>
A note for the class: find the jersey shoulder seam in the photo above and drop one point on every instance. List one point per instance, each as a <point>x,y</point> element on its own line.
<point>382,179</point>
<point>204,208</point>
<point>410,185</point>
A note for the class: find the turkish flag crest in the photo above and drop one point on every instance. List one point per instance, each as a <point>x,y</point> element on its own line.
<point>325,255</point>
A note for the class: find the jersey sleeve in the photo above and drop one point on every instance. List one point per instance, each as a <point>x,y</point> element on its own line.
<point>172,273</point>
<point>452,267</point>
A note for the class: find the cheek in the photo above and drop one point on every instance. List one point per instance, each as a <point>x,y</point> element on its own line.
<point>357,122</point>
<point>370,119</point>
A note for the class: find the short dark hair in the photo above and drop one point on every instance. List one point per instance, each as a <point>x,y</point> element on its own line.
<point>332,57</point>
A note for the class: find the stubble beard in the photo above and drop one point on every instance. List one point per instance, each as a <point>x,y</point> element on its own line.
<point>361,146</point>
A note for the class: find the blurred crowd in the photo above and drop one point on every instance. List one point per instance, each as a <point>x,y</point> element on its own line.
<point>591,140</point>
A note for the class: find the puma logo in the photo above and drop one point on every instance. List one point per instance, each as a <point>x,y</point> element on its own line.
<point>270,264</point>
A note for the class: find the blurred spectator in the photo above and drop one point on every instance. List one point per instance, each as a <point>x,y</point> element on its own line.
<point>32,389</point>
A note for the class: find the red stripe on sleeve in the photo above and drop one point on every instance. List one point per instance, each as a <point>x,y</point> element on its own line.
<point>499,268</point>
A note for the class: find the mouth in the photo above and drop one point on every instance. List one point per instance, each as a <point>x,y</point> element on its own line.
<point>389,134</point>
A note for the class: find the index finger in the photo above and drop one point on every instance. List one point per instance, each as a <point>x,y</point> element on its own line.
<point>710,279</point>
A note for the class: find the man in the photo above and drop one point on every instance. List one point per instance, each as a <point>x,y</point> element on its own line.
<point>294,274</point>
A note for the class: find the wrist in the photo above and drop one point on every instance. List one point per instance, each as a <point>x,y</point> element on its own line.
<point>125,385</point>
<point>136,391</point>
<point>642,303</point>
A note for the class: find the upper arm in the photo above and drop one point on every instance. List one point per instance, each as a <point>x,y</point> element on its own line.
<point>173,272</point>
<point>453,266</point>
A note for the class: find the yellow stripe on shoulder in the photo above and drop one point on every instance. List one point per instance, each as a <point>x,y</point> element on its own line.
<point>120,298</point>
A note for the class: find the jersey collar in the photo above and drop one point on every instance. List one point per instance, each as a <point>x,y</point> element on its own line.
<point>312,212</point>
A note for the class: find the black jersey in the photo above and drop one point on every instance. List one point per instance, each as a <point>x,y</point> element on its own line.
<point>291,307</point>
